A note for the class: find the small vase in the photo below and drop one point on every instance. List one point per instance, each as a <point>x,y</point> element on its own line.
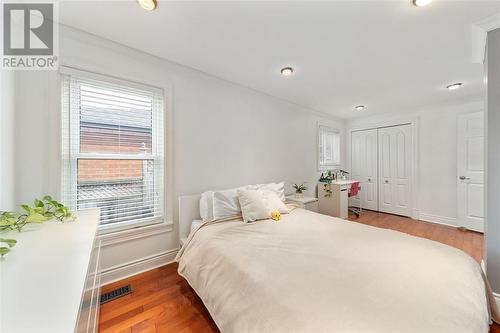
<point>298,195</point>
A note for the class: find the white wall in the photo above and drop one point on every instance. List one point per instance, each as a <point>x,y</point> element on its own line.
<point>437,155</point>
<point>220,135</point>
<point>7,113</point>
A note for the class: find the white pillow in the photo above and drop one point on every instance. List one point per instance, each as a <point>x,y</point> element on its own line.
<point>278,188</point>
<point>206,206</point>
<point>225,203</point>
<point>219,204</point>
<point>258,204</point>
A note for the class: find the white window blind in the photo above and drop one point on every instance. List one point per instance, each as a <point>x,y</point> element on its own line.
<point>328,147</point>
<point>112,136</point>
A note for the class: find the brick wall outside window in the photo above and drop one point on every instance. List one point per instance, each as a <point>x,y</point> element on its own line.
<point>112,141</point>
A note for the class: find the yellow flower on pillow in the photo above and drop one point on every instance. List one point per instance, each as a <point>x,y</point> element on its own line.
<point>276,215</point>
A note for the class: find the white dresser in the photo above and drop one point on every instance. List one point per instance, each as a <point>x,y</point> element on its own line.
<point>49,281</point>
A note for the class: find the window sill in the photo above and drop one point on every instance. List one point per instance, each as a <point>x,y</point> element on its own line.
<point>124,226</point>
<point>328,167</point>
<point>121,234</point>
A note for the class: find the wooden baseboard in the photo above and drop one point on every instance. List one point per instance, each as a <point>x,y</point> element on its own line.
<point>126,270</point>
<point>444,220</point>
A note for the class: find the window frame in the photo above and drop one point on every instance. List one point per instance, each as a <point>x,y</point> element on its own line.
<point>321,130</point>
<point>71,147</point>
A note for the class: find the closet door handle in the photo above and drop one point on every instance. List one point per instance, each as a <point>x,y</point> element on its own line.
<point>387,182</point>
<point>369,180</point>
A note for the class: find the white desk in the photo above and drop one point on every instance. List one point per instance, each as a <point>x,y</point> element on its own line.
<point>344,182</point>
<point>337,204</point>
<point>44,277</point>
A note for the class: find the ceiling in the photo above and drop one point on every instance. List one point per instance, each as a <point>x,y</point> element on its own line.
<point>387,55</point>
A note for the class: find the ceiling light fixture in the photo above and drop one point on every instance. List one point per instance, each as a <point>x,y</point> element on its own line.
<point>454,86</point>
<point>421,3</point>
<point>359,107</point>
<point>287,71</point>
<point>147,4</point>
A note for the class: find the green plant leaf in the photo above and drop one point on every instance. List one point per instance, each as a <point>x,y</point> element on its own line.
<point>39,210</point>
<point>4,251</point>
<point>9,242</point>
<point>7,214</point>
<point>27,208</point>
<point>7,221</point>
<point>35,217</point>
<point>39,203</point>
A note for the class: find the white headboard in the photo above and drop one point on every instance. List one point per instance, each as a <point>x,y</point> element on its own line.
<point>189,210</point>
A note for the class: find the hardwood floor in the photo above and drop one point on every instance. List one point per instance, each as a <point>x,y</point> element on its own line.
<point>163,302</point>
<point>468,241</point>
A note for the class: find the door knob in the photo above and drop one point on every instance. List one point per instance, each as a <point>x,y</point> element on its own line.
<point>369,179</point>
<point>463,178</point>
<point>387,182</point>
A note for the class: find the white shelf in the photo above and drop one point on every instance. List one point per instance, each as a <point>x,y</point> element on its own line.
<point>43,277</point>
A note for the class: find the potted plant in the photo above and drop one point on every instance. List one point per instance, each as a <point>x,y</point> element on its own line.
<point>299,190</point>
<point>327,178</point>
<point>42,211</point>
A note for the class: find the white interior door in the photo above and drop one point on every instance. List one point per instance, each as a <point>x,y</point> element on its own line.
<point>471,171</point>
<point>364,167</point>
<point>394,163</point>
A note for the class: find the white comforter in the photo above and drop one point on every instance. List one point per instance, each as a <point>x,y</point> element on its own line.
<point>314,273</point>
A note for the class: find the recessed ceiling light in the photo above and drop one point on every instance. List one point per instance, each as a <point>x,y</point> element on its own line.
<point>359,107</point>
<point>454,86</point>
<point>147,4</point>
<point>421,3</point>
<point>287,71</point>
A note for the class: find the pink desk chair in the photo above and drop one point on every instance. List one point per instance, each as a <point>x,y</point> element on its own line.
<point>352,192</point>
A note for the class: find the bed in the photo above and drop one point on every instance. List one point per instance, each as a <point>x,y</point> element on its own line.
<point>314,273</point>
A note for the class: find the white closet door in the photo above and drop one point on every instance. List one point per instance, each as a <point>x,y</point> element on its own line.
<point>394,169</point>
<point>364,167</point>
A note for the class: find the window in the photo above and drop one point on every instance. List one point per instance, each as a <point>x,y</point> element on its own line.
<point>112,134</point>
<point>328,148</point>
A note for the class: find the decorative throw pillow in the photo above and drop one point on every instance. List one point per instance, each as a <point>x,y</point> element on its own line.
<point>258,204</point>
